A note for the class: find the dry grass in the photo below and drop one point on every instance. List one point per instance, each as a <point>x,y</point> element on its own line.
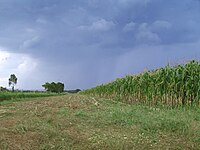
<point>81,122</point>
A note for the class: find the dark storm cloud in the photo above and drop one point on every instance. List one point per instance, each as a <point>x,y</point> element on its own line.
<point>89,42</point>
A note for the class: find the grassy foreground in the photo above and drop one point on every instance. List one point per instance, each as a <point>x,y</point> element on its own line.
<point>81,122</point>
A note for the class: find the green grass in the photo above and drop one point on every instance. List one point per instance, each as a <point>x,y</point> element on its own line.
<point>77,122</point>
<point>20,96</point>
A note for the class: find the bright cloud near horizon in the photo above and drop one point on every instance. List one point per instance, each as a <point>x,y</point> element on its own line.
<point>90,42</point>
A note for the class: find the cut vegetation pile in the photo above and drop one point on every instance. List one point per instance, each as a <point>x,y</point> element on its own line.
<point>172,86</point>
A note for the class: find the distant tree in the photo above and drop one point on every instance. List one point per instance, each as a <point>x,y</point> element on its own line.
<point>46,86</point>
<point>12,81</point>
<point>73,91</point>
<point>54,87</point>
<point>3,89</point>
<point>60,87</point>
<point>78,90</point>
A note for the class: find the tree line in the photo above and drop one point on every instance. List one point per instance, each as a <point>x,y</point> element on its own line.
<point>49,87</point>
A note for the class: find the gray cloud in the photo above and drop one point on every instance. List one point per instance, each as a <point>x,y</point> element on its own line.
<point>100,25</point>
<point>89,42</point>
<point>129,27</point>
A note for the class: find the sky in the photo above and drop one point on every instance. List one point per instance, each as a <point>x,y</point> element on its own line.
<point>83,43</point>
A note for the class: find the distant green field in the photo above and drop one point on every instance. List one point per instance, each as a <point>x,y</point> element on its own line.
<point>19,95</point>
